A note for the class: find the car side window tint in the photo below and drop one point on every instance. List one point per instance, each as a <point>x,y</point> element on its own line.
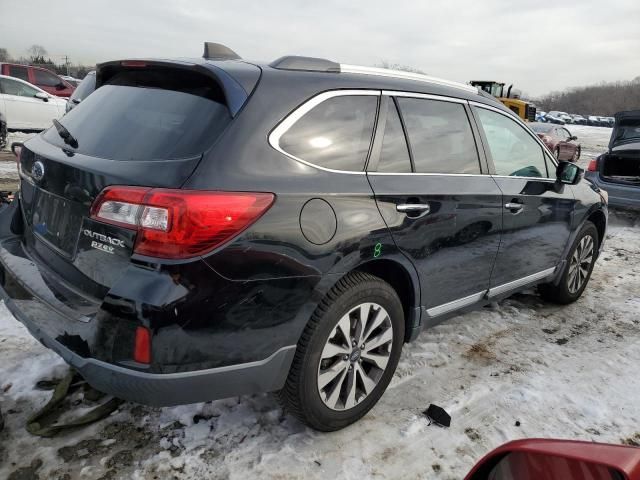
<point>11,87</point>
<point>394,156</point>
<point>45,78</point>
<point>335,134</point>
<point>514,151</point>
<point>19,72</point>
<point>440,136</point>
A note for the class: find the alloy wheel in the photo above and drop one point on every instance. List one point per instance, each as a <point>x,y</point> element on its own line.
<point>355,356</point>
<point>581,261</point>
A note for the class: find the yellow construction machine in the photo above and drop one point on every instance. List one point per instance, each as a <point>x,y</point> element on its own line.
<point>526,111</point>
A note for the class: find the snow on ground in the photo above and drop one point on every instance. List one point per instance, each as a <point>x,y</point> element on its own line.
<point>17,137</point>
<point>594,141</point>
<point>568,372</point>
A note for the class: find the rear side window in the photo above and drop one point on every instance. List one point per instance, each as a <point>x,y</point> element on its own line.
<point>514,151</point>
<point>151,114</point>
<point>440,136</point>
<point>335,134</point>
<point>19,72</point>
<point>46,79</point>
<point>394,156</point>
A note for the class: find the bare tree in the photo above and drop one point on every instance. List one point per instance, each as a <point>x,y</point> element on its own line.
<point>603,99</point>
<point>4,55</point>
<point>37,51</point>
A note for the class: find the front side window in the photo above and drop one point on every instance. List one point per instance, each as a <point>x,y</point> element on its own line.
<point>440,136</point>
<point>46,79</point>
<point>514,151</point>
<point>11,87</point>
<point>394,156</point>
<point>19,72</point>
<point>335,134</point>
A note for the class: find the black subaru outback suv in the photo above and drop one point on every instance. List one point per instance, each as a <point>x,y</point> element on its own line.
<point>198,229</point>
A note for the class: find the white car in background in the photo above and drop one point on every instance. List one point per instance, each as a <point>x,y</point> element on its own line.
<point>27,107</point>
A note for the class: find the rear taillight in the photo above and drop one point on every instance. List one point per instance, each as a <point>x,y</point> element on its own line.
<point>593,165</point>
<point>179,223</point>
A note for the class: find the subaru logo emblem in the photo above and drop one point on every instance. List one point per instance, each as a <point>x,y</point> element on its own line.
<point>37,171</point>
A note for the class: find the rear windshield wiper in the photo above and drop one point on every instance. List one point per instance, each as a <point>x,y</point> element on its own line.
<point>65,134</point>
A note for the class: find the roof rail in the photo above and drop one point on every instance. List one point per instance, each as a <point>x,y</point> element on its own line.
<point>219,52</point>
<point>309,64</point>
<point>384,72</point>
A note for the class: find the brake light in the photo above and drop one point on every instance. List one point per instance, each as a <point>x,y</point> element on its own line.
<point>179,223</point>
<point>133,63</point>
<point>142,345</point>
<point>593,165</point>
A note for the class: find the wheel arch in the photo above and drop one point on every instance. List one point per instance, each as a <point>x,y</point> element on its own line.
<point>598,218</point>
<point>406,286</point>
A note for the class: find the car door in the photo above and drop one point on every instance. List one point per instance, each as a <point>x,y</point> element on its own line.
<point>23,108</point>
<point>432,189</point>
<point>537,210</point>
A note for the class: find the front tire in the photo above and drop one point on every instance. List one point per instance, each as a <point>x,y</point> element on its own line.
<point>576,275</point>
<point>347,354</point>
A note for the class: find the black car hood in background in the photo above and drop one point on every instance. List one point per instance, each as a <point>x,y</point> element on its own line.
<point>626,131</point>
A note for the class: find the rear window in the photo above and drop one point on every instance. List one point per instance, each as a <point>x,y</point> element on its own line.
<point>629,129</point>
<point>87,86</point>
<point>440,136</point>
<point>19,72</point>
<point>150,114</point>
<point>335,134</point>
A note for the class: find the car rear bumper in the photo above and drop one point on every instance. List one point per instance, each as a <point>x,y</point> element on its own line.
<point>165,389</point>
<point>620,195</point>
<point>247,348</point>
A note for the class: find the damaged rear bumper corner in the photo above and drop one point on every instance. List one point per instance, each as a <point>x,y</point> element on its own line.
<point>166,389</point>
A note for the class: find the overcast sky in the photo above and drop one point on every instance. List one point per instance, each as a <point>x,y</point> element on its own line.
<point>537,45</point>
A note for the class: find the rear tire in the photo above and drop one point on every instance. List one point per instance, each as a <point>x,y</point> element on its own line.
<point>334,382</point>
<point>577,272</point>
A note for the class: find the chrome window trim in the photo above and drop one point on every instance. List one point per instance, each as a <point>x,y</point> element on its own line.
<point>455,304</point>
<point>519,121</point>
<point>426,96</point>
<point>505,287</point>
<point>486,175</point>
<point>306,107</point>
<point>384,72</point>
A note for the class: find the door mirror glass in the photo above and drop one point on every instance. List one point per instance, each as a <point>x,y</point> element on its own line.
<point>573,137</point>
<point>569,173</point>
<point>541,466</point>
<point>42,96</point>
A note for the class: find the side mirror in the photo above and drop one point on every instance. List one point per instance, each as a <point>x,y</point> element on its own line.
<point>569,173</point>
<point>558,460</point>
<point>573,137</point>
<point>61,86</point>
<point>42,96</point>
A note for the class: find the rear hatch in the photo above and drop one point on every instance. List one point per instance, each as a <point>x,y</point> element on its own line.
<point>622,163</point>
<point>147,124</point>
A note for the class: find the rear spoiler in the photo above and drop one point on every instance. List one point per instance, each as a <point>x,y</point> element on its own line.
<point>237,79</point>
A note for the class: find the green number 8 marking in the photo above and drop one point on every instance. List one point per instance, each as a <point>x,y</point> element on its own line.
<point>377,250</point>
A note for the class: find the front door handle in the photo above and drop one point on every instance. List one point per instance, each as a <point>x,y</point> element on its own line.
<point>514,207</point>
<point>414,210</point>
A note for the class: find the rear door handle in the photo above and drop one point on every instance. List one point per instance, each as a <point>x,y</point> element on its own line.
<point>414,210</point>
<point>514,207</point>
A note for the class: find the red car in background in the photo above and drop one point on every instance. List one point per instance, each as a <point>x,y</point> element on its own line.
<point>559,140</point>
<point>40,77</point>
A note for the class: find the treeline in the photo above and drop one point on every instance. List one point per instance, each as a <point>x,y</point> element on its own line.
<point>604,99</point>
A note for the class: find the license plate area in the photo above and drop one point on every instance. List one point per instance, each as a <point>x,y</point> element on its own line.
<point>57,220</point>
